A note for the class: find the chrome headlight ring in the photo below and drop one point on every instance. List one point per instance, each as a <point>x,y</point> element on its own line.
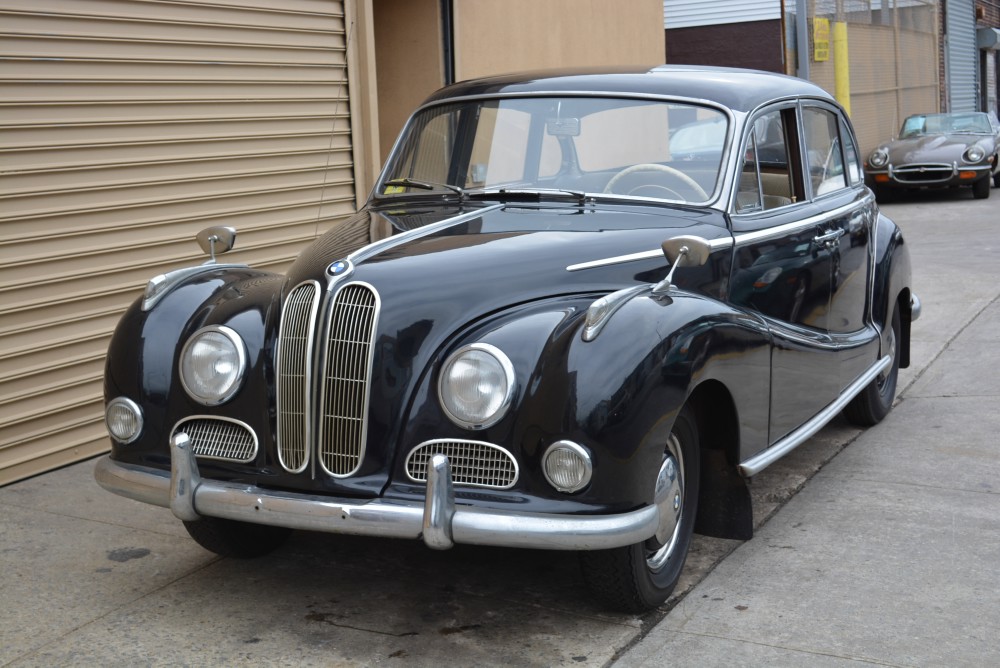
<point>974,154</point>
<point>476,386</point>
<point>879,158</point>
<point>212,365</point>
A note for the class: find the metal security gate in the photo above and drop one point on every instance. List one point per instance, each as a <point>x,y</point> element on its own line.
<point>130,125</point>
<point>961,55</point>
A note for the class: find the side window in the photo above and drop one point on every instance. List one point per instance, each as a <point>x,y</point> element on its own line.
<point>765,180</point>
<point>826,163</point>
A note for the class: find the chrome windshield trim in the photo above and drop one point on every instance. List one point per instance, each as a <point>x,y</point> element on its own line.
<point>721,243</point>
<point>190,496</point>
<point>373,249</point>
<point>760,461</point>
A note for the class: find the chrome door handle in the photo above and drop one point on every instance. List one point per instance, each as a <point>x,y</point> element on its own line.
<point>829,237</point>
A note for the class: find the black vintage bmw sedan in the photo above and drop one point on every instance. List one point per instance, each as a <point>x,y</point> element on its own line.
<point>578,311</point>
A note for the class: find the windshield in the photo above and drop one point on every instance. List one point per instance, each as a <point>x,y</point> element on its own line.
<point>601,146</point>
<point>938,124</point>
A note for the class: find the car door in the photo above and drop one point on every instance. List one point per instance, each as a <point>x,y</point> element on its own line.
<point>848,213</point>
<point>783,266</point>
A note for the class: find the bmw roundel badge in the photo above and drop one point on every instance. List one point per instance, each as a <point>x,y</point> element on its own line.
<point>337,268</point>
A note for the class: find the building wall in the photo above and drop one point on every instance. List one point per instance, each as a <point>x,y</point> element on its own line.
<point>514,35</point>
<point>128,127</point>
<point>758,45</point>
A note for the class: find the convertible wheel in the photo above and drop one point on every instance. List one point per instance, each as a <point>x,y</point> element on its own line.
<point>639,577</point>
<point>873,402</point>
<point>981,188</point>
<point>229,538</point>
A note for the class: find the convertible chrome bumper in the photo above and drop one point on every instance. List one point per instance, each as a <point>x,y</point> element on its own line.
<point>439,521</point>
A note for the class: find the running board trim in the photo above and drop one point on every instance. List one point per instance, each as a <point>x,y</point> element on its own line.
<point>762,460</point>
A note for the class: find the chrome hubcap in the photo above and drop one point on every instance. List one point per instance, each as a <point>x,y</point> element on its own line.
<point>669,499</point>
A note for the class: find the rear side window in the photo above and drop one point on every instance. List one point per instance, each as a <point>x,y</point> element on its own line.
<point>823,151</point>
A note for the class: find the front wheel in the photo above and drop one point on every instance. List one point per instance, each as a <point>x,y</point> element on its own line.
<point>873,403</point>
<point>640,577</point>
<point>981,188</point>
<point>242,540</point>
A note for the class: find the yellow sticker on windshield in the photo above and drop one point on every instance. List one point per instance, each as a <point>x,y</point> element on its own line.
<point>392,190</point>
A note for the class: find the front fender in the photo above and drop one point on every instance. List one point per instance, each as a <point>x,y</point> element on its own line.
<point>142,356</point>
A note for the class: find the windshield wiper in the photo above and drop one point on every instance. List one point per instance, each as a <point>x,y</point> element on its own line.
<point>424,185</point>
<point>529,193</point>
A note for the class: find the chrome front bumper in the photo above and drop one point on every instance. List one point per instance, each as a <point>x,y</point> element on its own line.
<point>438,520</point>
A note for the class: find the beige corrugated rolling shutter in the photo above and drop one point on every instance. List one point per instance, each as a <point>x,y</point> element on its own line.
<point>129,125</point>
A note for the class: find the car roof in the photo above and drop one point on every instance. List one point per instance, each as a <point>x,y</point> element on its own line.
<point>737,89</point>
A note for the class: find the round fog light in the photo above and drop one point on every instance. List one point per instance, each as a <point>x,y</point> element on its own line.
<point>567,466</point>
<point>123,418</point>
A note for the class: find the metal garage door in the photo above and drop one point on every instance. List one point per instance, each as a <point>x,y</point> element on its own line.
<point>128,126</point>
<point>962,55</point>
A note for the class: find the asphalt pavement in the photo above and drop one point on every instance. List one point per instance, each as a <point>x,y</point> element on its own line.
<point>878,547</point>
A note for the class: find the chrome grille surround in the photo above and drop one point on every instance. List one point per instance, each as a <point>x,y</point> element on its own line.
<point>926,173</point>
<point>294,360</point>
<point>473,463</point>
<point>347,367</point>
<point>221,438</point>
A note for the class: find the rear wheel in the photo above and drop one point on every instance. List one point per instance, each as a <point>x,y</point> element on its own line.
<point>981,188</point>
<point>242,540</point>
<point>873,402</point>
<point>639,577</point>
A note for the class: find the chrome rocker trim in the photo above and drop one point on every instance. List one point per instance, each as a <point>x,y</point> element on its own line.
<point>437,520</point>
<point>760,461</point>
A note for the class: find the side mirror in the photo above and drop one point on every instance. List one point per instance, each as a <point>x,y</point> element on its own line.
<point>216,240</point>
<point>682,251</point>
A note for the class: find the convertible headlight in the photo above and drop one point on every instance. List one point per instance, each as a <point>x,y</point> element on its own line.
<point>212,365</point>
<point>476,386</point>
<point>974,154</point>
<point>879,158</point>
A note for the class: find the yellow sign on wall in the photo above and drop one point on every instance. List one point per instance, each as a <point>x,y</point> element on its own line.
<point>821,40</point>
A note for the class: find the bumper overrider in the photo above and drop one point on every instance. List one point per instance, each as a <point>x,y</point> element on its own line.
<point>438,521</point>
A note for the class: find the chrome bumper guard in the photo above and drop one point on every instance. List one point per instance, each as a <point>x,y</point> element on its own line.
<point>438,520</point>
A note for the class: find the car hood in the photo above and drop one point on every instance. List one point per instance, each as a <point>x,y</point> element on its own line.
<point>932,148</point>
<point>441,272</point>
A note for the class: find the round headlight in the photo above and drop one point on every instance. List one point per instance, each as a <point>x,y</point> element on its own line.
<point>567,466</point>
<point>476,386</point>
<point>212,365</point>
<point>974,154</point>
<point>878,158</point>
<point>123,418</point>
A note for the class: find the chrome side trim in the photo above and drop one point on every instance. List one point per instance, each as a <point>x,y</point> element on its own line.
<point>161,285</point>
<point>190,496</point>
<point>721,243</point>
<point>762,460</point>
<point>788,228</point>
<point>373,249</point>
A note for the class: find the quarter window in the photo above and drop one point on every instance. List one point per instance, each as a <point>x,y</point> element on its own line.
<point>766,181</point>
<point>826,162</point>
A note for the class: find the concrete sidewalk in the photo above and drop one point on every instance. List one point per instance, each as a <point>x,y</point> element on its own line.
<point>890,556</point>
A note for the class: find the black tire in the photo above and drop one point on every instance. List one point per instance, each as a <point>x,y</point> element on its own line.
<point>241,540</point>
<point>981,188</point>
<point>640,577</point>
<point>874,402</point>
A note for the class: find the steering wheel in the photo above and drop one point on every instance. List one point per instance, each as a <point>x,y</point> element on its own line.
<point>654,167</point>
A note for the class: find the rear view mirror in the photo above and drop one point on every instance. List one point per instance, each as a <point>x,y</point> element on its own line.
<point>217,240</point>
<point>682,251</point>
